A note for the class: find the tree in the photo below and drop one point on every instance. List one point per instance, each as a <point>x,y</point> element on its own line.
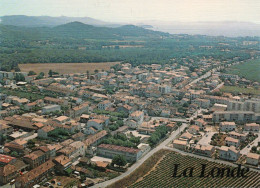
<point>14,154</point>
<point>254,149</point>
<point>119,160</point>
<point>31,73</point>
<point>2,138</point>
<point>17,69</point>
<point>19,77</point>
<point>40,76</point>
<point>31,144</point>
<point>50,73</point>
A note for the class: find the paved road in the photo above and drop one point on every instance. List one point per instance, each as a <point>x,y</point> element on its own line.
<point>246,150</point>
<point>184,120</point>
<point>205,140</point>
<point>141,161</point>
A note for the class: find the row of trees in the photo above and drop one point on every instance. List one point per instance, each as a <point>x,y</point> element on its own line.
<point>156,136</point>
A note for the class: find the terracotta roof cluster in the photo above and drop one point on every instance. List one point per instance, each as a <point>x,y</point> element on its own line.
<point>119,148</point>
<point>35,173</point>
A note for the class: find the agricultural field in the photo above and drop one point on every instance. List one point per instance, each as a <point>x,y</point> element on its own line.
<point>235,90</point>
<point>250,70</point>
<point>161,174</point>
<point>66,68</point>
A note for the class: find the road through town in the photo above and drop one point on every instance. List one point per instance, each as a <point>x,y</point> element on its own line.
<point>141,161</point>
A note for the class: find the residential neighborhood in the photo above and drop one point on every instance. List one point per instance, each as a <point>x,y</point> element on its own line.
<point>89,129</point>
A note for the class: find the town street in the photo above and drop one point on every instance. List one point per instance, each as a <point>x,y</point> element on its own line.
<point>247,149</point>
<point>141,161</point>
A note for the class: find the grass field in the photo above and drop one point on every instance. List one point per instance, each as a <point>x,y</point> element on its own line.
<point>236,90</point>
<point>250,70</point>
<point>66,68</point>
<point>160,174</point>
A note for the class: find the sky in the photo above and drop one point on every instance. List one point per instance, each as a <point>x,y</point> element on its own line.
<point>134,11</point>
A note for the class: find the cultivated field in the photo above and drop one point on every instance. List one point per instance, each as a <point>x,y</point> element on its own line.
<point>236,90</point>
<point>250,70</point>
<point>160,174</point>
<point>66,68</point>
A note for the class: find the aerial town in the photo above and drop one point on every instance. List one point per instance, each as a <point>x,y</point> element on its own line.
<point>83,129</point>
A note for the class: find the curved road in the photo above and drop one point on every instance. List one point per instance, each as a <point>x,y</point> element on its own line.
<point>141,161</point>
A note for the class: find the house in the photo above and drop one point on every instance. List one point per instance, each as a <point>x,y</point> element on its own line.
<point>109,150</point>
<point>204,150</point>
<point>78,136</point>
<point>7,173</point>
<point>227,126</point>
<point>73,150</point>
<point>236,135</point>
<point>229,153</point>
<point>43,132</point>
<point>79,110</point>
<point>62,163</point>
<point>35,158</point>
<point>96,123</point>
<point>34,176</point>
<point>104,105</point>
<point>50,108</point>
<point>50,100</point>
<point>253,159</point>
<point>229,141</point>
<point>186,136</point>
<point>62,119</point>
<point>125,109</point>
<point>90,130</point>
<point>30,106</point>
<point>15,147</point>
<point>180,144</point>
<point>200,122</point>
<point>135,119</point>
<point>80,148</point>
<point>6,159</point>
<point>94,140</point>
<point>252,127</point>
<point>194,129</point>
<point>5,129</point>
<point>84,118</point>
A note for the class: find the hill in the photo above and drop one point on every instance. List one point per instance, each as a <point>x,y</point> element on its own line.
<point>39,21</point>
<point>76,30</point>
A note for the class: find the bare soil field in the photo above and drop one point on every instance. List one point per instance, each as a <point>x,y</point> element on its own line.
<point>66,68</point>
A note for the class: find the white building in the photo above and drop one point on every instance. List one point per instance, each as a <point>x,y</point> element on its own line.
<point>252,159</point>
<point>229,153</point>
<point>227,126</point>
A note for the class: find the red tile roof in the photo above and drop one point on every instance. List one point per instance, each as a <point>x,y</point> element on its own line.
<point>6,158</point>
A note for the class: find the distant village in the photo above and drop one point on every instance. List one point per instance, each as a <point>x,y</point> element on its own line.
<point>85,128</point>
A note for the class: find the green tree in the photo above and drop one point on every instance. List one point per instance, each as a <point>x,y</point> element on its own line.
<point>50,73</point>
<point>31,73</point>
<point>31,144</point>
<point>119,160</point>
<point>14,154</point>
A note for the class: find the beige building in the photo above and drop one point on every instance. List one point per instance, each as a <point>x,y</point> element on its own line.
<point>252,159</point>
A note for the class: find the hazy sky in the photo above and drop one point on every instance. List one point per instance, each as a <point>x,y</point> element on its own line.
<point>138,10</point>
